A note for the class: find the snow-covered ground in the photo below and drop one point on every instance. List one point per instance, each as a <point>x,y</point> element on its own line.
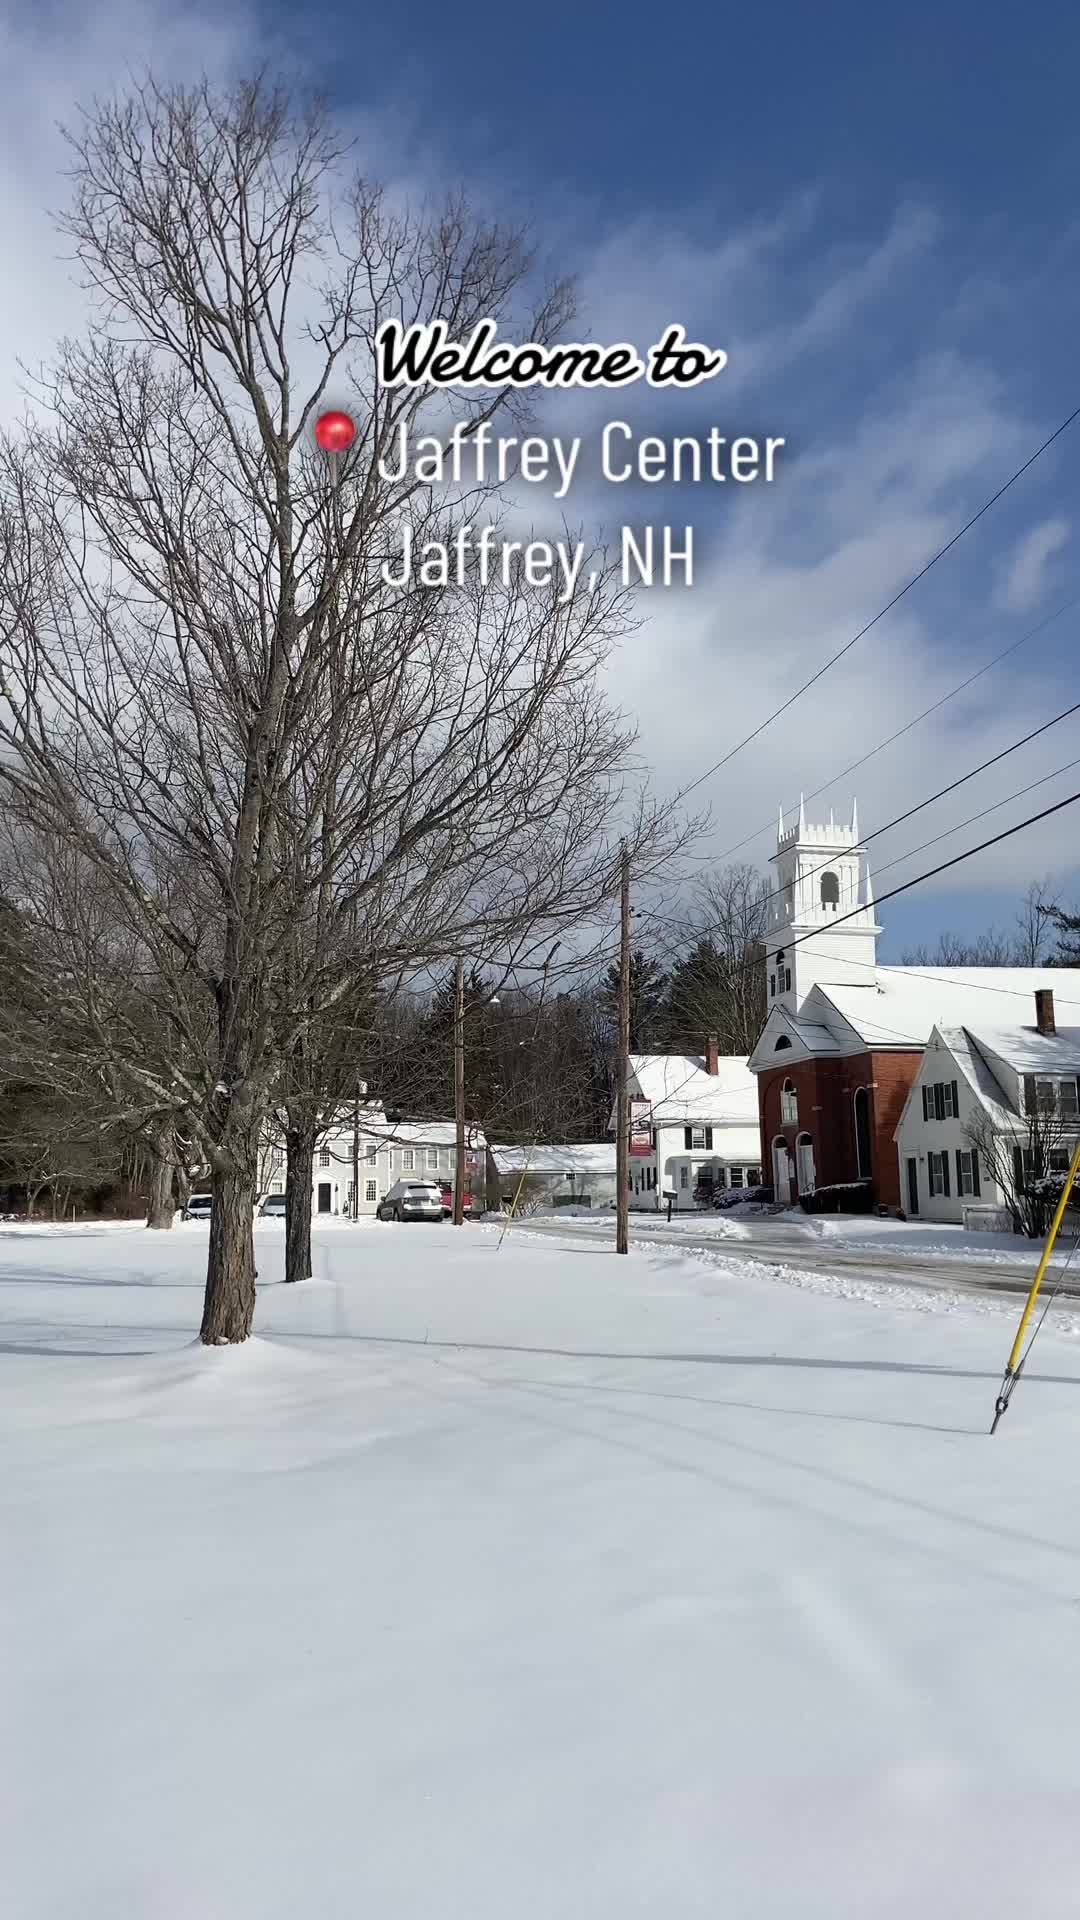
<point>866,1232</point>
<point>853,1232</point>
<point>529,1582</point>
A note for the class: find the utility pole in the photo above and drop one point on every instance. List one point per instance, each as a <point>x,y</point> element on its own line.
<point>459,1094</point>
<point>622,1105</point>
<point>356,1155</point>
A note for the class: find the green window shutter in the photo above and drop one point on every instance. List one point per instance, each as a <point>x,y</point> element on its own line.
<point>975,1172</point>
<point>945,1174</point>
<point>708,1139</point>
<point>1029,1093</point>
<point>687,1134</point>
<point>955,1099</point>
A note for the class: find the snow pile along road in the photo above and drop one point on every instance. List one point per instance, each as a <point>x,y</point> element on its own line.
<point>532,1582</point>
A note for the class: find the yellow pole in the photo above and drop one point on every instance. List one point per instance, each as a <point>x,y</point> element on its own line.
<point>517,1197</point>
<point>1059,1215</point>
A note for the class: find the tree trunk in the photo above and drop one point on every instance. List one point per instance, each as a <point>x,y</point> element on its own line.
<point>229,1306</point>
<point>299,1173</point>
<point>161,1211</point>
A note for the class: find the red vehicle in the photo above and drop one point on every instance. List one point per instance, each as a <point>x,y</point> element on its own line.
<point>472,1205</point>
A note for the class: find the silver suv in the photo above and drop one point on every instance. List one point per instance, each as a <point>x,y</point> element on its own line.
<point>411,1200</point>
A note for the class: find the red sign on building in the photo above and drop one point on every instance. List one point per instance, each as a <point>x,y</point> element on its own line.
<point>640,1128</point>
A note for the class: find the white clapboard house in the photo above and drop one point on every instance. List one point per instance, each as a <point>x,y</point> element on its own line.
<point>383,1151</point>
<point>702,1122</point>
<point>982,1083</point>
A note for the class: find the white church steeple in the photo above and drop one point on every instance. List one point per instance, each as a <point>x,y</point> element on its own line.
<point>821,928</point>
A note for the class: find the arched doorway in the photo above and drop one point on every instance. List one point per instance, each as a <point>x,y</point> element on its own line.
<point>804,1162</point>
<point>862,1132</point>
<point>781,1171</point>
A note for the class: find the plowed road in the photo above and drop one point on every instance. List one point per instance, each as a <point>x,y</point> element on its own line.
<point>773,1244</point>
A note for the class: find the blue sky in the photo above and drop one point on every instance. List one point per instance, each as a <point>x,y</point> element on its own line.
<point>873,211</point>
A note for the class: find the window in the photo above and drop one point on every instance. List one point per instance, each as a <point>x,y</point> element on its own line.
<point>941,1100</point>
<point>735,1176</point>
<point>407,1159</point>
<point>967,1172</point>
<point>697,1139</point>
<point>830,890</point>
<point>370,1190</point>
<point>277,1158</point>
<point>939,1173</point>
<point>324,1156</point>
<point>772,986</point>
<point>781,1043</point>
<point>863,1153</point>
<point>432,1156</point>
<point>789,1105</point>
<point>684,1176</point>
<point>1056,1096</point>
<point>753,1176</point>
<point>372,1153</point>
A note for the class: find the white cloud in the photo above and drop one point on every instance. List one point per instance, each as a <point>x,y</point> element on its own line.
<point>1027,578</point>
<point>790,575</point>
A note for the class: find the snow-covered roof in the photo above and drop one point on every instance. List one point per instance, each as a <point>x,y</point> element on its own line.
<point>784,1031</point>
<point>908,1002</point>
<point>1027,1050</point>
<point>374,1125</point>
<point>678,1087</point>
<point>585,1156</point>
<point>977,1072</point>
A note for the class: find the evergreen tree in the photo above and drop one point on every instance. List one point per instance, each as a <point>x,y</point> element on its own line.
<point>648,1000</point>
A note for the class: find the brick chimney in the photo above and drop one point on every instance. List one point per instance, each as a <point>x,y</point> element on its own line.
<point>712,1050</point>
<point>1044,1010</point>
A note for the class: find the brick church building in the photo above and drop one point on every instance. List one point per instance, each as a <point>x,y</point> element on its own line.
<point>844,1037</point>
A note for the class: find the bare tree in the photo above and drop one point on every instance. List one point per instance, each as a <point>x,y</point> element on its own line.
<point>1028,1163</point>
<point>717,983</point>
<point>1036,922</point>
<point>1027,946</point>
<point>272,758</point>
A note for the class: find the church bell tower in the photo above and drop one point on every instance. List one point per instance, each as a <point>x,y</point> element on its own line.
<point>821,929</point>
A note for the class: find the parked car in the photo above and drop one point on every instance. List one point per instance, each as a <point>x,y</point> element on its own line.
<point>273,1207</point>
<point>198,1206</point>
<point>411,1200</point>
<point>472,1204</point>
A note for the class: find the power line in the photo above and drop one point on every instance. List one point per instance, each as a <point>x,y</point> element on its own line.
<point>689,926</point>
<point>893,892</point>
<point>887,608</point>
<point>908,727</point>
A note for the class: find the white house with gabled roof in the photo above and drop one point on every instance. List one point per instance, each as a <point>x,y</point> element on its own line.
<point>366,1142</point>
<point>704,1126</point>
<point>987,1078</point>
